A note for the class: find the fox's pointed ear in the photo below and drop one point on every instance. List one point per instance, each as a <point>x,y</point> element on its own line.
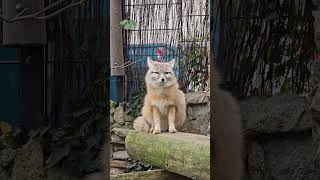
<point>150,62</point>
<point>171,63</point>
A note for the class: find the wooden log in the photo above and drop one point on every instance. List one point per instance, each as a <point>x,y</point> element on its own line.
<point>182,153</point>
<point>153,174</point>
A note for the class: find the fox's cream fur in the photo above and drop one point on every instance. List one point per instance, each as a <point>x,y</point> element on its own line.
<point>226,127</point>
<point>226,134</point>
<point>164,104</point>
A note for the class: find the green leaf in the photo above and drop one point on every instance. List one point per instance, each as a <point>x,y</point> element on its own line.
<point>128,24</point>
<point>147,165</point>
<point>131,165</point>
<point>138,168</point>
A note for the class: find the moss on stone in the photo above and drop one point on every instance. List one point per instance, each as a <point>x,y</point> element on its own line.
<point>181,153</point>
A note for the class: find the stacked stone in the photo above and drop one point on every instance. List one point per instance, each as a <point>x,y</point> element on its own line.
<point>198,113</point>
<point>278,138</point>
<point>118,154</point>
<point>24,163</point>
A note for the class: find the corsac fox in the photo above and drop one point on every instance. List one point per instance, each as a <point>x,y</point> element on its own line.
<point>164,104</point>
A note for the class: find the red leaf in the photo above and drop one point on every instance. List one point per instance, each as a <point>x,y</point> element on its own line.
<point>159,52</point>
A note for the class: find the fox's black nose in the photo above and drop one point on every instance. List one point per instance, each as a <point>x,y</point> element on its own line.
<point>162,80</point>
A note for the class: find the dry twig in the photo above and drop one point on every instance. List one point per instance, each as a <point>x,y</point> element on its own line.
<point>36,16</point>
<point>124,65</point>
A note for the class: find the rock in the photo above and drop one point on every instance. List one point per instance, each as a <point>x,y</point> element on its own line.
<point>199,119</point>
<point>290,157</point>
<point>280,113</point>
<point>118,135</point>
<point>128,125</point>
<point>199,97</point>
<point>304,123</point>
<point>315,77</point>
<point>116,139</point>
<point>279,134</point>
<point>115,171</point>
<point>28,163</point>
<point>118,147</point>
<point>119,115</point>
<point>115,125</point>
<point>121,132</point>
<point>315,104</point>
<point>119,164</point>
<point>128,118</point>
<point>256,161</point>
<point>6,157</point>
<point>120,155</point>
<point>112,111</point>
<point>190,114</point>
<point>282,158</point>
<point>111,151</point>
<point>111,120</point>
<point>198,114</point>
<point>4,175</point>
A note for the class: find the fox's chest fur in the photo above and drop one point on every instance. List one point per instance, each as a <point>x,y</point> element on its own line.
<point>162,103</point>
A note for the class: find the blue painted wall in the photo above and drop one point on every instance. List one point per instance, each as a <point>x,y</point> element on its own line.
<point>9,88</point>
<point>139,52</point>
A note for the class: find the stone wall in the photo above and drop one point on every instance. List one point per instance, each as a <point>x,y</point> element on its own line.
<point>278,135</point>
<point>118,153</point>
<point>24,163</point>
<point>198,114</point>
<point>278,139</point>
<point>279,144</point>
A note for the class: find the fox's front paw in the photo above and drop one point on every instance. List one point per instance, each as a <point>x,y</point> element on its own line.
<point>172,130</point>
<point>151,130</point>
<point>157,131</point>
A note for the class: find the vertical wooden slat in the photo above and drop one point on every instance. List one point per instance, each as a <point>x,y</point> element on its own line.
<point>31,87</point>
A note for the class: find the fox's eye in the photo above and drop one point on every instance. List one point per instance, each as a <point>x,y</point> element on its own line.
<point>167,73</point>
<point>155,72</point>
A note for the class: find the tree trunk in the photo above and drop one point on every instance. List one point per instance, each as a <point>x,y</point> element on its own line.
<point>182,153</point>
<point>116,43</point>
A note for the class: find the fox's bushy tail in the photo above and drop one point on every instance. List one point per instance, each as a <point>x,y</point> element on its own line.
<point>227,134</point>
<point>140,124</point>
